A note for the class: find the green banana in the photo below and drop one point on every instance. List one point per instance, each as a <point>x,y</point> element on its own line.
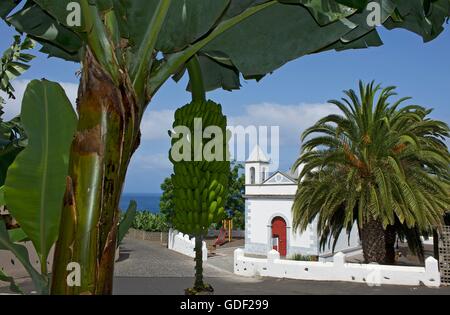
<point>200,187</point>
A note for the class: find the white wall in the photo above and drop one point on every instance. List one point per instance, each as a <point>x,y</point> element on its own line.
<point>338,270</point>
<point>182,244</point>
<point>270,190</point>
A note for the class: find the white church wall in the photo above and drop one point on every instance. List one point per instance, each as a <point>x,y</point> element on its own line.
<point>338,270</point>
<point>305,239</point>
<point>270,190</point>
<point>259,216</point>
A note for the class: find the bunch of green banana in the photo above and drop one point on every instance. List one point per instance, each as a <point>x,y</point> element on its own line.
<point>200,187</point>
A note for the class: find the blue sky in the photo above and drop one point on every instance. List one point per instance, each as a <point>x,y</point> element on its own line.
<point>292,98</point>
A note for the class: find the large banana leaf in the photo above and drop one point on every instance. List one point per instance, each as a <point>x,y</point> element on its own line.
<point>21,254</point>
<point>35,182</point>
<point>255,36</point>
<point>7,156</point>
<point>184,22</point>
<point>2,196</point>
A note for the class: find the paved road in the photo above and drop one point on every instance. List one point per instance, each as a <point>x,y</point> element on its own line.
<point>151,269</point>
<point>148,268</point>
<point>145,259</point>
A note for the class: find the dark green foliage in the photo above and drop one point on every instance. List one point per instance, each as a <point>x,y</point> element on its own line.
<point>13,63</point>
<point>166,205</point>
<point>299,257</point>
<point>235,201</point>
<point>12,141</point>
<point>239,220</point>
<point>150,222</point>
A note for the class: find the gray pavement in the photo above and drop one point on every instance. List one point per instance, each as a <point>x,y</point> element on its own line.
<point>147,259</point>
<point>149,268</point>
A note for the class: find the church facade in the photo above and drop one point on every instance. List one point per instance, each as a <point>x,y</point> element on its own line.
<point>268,215</point>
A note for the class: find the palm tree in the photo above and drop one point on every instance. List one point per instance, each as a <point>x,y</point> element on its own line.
<point>384,166</point>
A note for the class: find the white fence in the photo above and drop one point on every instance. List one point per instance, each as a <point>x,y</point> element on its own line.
<point>183,244</point>
<point>338,270</point>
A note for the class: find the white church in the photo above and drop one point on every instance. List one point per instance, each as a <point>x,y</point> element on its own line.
<point>268,215</point>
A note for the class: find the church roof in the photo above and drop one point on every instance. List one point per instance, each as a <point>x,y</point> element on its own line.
<point>282,178</point>
<point>258,155</point>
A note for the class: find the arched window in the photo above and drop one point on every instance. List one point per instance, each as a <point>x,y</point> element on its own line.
<point>252,175</point>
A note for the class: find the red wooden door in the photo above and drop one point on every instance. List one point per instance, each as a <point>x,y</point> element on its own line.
<point>279,232</point>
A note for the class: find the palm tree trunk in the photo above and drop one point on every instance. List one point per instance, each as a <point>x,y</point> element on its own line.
<point>107,136</point>
<point>199,284</point>
<point>378,244</point>
<point>436,244</point>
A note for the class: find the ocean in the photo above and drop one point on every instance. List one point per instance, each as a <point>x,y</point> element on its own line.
<point>145,202</point>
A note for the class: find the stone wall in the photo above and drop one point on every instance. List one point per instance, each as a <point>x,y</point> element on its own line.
<point>185,245</point>
<point>161,237</point>
<point>338,270</point>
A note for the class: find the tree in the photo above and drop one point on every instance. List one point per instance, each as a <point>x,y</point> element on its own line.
<point>35,182</point>
<point>166,206</point>
<point>14,62</point>
<point>235,202</point>
<point>130,48</point>
<point>378,164</point>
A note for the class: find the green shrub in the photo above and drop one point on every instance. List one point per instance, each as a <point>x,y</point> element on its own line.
<point>299,257</point>
<point>150,222</point>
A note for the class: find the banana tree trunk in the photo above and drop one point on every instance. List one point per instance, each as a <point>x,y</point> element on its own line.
<point>199,284</point>
<point>378,244</point>
<point>107,136</point>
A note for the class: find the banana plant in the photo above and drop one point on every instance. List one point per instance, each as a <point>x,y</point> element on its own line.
<point>35,181</point>
<point>14,62</point>
<point>130,48</point>
<point>200,182</point>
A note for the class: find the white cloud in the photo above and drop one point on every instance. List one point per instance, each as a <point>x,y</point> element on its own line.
<point>157,161</point>
<point>12,107</point>
<point>292,119</point>
<point>155,124</point>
